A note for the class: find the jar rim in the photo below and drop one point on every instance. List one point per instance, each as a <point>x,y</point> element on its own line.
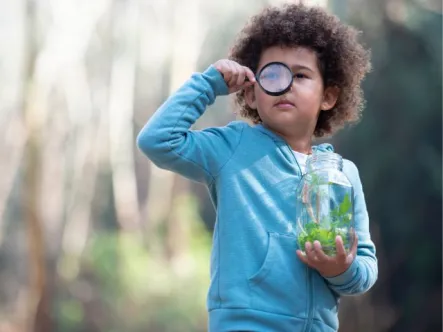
<point>319,160</point>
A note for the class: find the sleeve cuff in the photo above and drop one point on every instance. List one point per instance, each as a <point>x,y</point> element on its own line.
<point>346,277</point>
<point>216,80</point>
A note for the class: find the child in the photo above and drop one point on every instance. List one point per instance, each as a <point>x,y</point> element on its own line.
<point>260,281</point>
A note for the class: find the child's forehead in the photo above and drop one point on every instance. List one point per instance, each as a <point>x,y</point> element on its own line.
<point>292,56</point>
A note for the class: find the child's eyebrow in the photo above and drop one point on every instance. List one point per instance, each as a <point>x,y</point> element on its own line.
<point>298,67</point>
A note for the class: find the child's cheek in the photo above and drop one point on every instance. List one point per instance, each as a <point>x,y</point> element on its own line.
<point>264,100</point>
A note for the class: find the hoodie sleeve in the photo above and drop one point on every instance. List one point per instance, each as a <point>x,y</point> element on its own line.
<point>363,272</point>
<point>168,142</point>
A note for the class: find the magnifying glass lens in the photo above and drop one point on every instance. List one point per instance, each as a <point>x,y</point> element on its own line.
<point>275,78</point>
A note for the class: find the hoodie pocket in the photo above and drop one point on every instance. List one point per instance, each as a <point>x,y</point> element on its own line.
<point>280,284</point>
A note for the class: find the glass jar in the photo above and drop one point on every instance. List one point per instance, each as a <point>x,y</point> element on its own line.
<point>324,203</point>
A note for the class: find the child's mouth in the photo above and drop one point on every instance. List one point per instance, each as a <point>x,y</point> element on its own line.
<point>284,105</point>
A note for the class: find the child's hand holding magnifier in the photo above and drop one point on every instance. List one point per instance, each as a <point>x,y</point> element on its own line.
<point>275,78</point>
<point>236,76</point>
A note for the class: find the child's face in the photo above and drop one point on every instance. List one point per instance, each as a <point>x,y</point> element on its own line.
<point>295,113</point>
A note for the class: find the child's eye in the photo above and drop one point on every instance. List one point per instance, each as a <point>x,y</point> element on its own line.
<point>271,76</point>
<point>299,75</point>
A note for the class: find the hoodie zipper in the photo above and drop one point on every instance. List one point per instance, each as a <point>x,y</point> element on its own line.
<point>310,300</point>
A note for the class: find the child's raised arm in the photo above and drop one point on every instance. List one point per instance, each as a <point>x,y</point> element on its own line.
<point>169,143</point>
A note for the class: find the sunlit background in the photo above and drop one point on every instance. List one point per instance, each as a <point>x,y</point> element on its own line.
<point>93,237</point>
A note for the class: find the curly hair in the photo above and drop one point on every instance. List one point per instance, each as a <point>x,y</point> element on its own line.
<point>343,61</point>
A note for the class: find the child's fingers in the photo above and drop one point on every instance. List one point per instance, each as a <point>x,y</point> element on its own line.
<point>226,72</point>
<point>310,253</point>
<point>321,256</point>
<point>234,74</point>
<point>241,76</point>
<point>302,256</point>
<point>249,74</point>
<point>341,252</point>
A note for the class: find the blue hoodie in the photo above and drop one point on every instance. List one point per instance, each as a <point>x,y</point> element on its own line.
<point>257,281</point>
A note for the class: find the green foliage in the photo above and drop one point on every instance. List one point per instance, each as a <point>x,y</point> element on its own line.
<point>339,220</point>
<point>72,313</point>
<point>326,237</point>
<point>141,291</point>
<point>340,216</point>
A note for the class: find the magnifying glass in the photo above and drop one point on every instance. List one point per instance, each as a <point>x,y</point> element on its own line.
<point>275,78</point>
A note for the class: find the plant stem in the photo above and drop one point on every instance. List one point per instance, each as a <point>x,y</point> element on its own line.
<point>306,200</point>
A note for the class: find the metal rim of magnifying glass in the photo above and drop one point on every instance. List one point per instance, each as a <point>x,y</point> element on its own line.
<point>270,92</point>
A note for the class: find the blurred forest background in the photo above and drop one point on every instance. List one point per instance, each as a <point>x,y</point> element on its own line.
<point>93,237</point>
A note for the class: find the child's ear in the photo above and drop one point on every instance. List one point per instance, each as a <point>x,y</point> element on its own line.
<point>250,97</point>
<point>330,97</point>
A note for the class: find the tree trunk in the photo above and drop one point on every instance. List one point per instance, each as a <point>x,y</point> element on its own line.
<point>121,138</point>
<point>39,301</point>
